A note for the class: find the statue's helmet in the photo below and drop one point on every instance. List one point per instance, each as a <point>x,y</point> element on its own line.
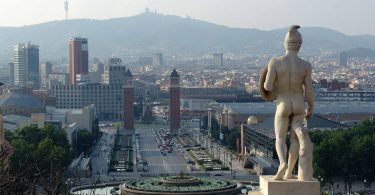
<point>293,39</point>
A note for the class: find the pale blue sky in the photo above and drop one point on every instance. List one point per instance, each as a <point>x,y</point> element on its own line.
<point>348,16</point>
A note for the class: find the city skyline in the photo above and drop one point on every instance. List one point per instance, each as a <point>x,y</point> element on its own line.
<point>138,97</point>
<point>349,16</point>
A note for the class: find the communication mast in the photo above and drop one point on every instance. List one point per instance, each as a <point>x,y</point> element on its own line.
<point>66,6</point>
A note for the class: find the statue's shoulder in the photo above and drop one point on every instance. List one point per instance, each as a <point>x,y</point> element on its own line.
<point>276,60</point>
<point>307,64</point>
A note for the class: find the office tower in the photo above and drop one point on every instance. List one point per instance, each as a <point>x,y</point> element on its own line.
<point>11,72</point>
<point>218,59</point>
<point>32,65</point>
<point>19,65</point>
<point>157,59</point>
<point>174,102</point>
<point>45,71</point>
<point>128,98</point>
<point>343,59</point>
<point>78,57</point>
<point>114,71</point>
<point>26,64</point>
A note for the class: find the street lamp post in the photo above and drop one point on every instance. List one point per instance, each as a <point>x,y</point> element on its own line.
<point>217,151</point>
<point>225,152</point>
<point>231,158</point>
<point>365,182</point>
<point>211,146</point>
<point>227,113</point>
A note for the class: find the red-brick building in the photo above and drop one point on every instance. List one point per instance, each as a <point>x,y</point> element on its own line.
<point>128,105</point>
<point>78,58</point>
<point>174,103</point>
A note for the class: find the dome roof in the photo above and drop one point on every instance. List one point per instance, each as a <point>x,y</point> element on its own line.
<point>252,120</point>
<point>20,100</point>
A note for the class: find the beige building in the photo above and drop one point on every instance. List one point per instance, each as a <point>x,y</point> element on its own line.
<point>84,118</point>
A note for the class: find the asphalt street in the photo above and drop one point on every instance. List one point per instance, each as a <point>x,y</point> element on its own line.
<point>101,154</point>
<point>171,163</point>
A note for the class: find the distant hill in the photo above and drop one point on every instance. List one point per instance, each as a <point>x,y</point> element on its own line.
<point>148,33</point>
<point>360,52</point>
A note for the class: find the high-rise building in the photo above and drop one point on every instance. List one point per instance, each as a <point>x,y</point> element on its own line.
<point>19,65</point>
<point>32,65</point>
<point>157,59</point>
<point>128,105</point>
<point>114,71</point>
<point>218,59</point>
<point>343,59</point>
<point>11,72</point>
<point>26,65</point>
<point>78,57</point>
<point>174,102</point>
<point>45,70</point>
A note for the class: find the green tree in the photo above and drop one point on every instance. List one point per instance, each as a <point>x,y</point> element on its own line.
<point>84,141</point>
<point>40,158</point>
<point>347,154</point>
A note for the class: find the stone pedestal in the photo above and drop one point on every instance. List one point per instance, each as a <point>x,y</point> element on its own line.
<point>268,186</point>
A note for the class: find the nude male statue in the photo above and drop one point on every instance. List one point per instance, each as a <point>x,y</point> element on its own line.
<point>288,81</point>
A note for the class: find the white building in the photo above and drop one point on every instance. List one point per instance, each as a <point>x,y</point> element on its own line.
<point>106,98</point>
<point>26,64</point>
<point>19,65</point>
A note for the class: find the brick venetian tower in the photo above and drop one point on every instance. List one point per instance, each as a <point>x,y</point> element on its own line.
<point>128,104</point>
<point>174,104</point>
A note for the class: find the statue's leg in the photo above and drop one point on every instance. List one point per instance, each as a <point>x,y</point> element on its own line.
<point>293,155</point>
<point>281,128</point>
<point>305,170</point>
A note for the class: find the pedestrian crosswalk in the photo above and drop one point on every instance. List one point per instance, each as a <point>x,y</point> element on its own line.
<point>149,149</point>
<point>170,165</point>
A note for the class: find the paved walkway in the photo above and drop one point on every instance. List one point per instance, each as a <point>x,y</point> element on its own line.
<point>237,164</point>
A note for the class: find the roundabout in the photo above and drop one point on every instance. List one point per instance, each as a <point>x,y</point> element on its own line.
<point>182,185</point>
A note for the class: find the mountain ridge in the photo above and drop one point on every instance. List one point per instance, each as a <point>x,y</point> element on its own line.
<point>148,33</point>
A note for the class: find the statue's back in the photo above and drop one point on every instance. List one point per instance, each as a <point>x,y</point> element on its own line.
<point>290,75</point>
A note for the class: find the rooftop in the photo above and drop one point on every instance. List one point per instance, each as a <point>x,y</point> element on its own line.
<point>128,74</point>
<point>315,122</point>
<point>20,100</point>
<point>174,73</point>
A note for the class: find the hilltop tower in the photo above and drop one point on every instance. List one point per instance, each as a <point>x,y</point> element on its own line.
<point>66,8</point>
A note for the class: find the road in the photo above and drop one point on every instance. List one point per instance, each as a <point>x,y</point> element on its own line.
<point>102,151</point>
<point>171,163</point>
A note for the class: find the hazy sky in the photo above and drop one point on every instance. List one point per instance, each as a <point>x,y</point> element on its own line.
<point>348,16</point>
